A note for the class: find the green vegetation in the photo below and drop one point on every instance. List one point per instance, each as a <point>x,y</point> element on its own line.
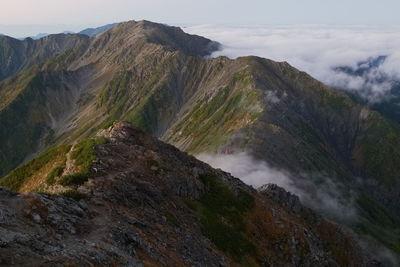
<point>85,99</point>
<point>143,102</point>
<point>171,219</point>
<point>107,124</point>
<point>24,116</point>
<point>74,179</point>
<point>72,194</point>
<point>155,105</point>
<point>55,172</point>
<point>12,87</point>
<point>379,222</point>
<point>84,155</point>
<point>118,94</point>
<point>213,119</point>
<point>221,214</point>
<point>381,151</point>
<point>19,176</point>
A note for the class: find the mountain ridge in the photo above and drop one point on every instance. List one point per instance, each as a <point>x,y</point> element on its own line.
<point>152,76</point>
<point>97,64</point>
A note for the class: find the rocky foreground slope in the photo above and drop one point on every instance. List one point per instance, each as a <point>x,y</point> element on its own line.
<point>144,202</point>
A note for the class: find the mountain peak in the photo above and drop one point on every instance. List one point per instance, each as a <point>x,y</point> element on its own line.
<point>169,36</point>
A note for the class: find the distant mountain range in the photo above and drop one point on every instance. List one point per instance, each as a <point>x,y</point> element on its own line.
<point>98,30</point>
<point>64,88</point>
<point>41,35</point>
<point>88,32</point>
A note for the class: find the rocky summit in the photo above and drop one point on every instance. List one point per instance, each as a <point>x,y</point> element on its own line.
<point>145,203</point>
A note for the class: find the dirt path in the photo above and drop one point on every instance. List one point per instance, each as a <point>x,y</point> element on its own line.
<point>69,164</point>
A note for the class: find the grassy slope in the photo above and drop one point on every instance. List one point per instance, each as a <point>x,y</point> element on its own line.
<point>245,228</point>
<point>222,217</point>
<point>36,169</point>
<point>47,169</point>
<point>213,119</point>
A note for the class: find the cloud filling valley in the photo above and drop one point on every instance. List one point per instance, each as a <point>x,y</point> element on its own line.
<point>318,50</point>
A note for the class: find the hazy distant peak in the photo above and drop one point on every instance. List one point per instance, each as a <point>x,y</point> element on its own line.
<point>98,30</point>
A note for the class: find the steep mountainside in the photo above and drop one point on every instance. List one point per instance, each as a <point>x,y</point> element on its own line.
<point>144,202</point>
<point>156,77</point>
<point>65,92</point>
<point>17,55</point>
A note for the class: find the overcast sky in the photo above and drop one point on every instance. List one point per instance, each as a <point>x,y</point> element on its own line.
<point>56,15</point>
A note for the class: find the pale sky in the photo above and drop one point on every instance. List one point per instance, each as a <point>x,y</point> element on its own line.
<point>57,15</point>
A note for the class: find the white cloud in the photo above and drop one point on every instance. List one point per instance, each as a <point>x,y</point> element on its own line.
<point>315,49</point>
<point>250,171</point>
<point>326,196</point>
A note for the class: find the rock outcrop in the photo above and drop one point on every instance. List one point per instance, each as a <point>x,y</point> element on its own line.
<point>280,195</point>
<point>148,204</point>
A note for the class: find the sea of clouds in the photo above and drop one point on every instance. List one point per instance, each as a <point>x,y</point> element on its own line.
<point>317,50</point>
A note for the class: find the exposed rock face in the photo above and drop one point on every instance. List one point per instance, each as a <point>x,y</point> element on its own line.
<point>135,210</point>
<point>47,231</point>
<point>280,195</point>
